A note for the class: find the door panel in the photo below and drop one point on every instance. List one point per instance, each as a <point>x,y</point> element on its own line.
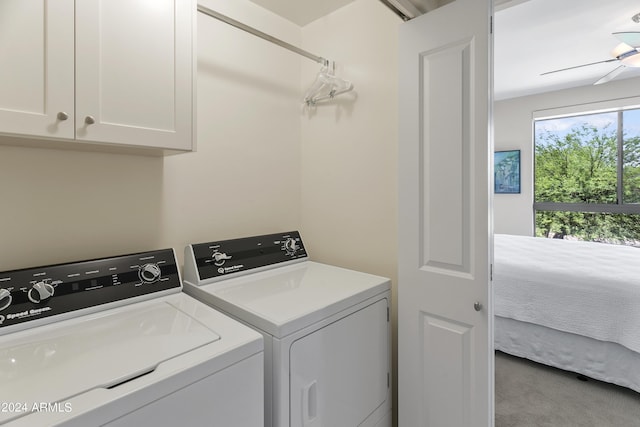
<point>445,361</point>
<point>134,72</point>
<point>447,370</point>
<point>445,247</point>
<point>339,374</point>
<point>36,76</point>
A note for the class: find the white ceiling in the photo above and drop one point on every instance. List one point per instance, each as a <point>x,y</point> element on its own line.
<point>531,37</point>
<point>537,36</point>
<point>302,12</point>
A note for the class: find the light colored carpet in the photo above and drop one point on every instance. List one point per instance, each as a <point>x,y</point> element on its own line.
<point>533,395</point>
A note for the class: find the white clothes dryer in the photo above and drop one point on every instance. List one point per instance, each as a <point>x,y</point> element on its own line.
<point>114,342</point>
<point>326,329</point>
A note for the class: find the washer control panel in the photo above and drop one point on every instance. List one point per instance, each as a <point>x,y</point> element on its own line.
<point>216,259</point>
<point>36,293</point>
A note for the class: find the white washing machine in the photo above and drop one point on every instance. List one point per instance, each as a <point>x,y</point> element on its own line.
<point>326,329</point>
<point>114,342</point>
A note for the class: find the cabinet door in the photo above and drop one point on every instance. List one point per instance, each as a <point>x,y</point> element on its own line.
<point>134,72</point>
<point>339,374</point>
<point>36,75</point>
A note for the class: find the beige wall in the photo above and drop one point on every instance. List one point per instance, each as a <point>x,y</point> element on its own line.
<point>349,146</point>
<point>244,178</point>
<point>59,205</point>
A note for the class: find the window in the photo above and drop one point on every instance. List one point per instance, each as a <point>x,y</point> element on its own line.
<point>587,176</point>
<point>631,157</point>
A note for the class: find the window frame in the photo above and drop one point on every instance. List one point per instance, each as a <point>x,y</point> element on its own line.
<point>618,106</point>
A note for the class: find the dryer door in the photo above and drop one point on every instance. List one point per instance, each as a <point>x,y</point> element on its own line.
<point>339,374</point>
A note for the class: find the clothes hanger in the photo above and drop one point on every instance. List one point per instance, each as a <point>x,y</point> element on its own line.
<point>326,86</point>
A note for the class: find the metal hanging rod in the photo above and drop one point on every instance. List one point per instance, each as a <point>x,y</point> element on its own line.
<point>262,35</point>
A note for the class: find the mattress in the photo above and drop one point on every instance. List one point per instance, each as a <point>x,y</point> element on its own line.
<point>583,288</point>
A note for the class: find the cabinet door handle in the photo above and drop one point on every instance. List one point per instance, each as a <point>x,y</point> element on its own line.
<point>89,120</point>
<point>62,116</point>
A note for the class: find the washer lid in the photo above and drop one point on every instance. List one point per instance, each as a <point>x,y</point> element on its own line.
<point>52,363</point>
<point>287,299</point>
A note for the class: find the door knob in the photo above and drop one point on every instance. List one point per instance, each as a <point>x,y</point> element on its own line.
<point>477,306</point>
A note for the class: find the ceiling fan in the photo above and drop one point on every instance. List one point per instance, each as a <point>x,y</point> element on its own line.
<point>627,53</point>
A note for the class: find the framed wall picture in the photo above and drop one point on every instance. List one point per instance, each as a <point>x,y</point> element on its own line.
<point>506,166</point>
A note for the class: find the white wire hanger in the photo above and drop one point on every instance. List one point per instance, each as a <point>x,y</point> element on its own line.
<point>326,86</point>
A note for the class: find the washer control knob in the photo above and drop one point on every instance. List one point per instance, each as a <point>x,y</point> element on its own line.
<point>40,292</point>
<point>149,273</point>
<point>219,258</point>
<point>5,299</point>
<point>291,246</point>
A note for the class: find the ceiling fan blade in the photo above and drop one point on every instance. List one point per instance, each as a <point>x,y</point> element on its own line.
<point>632,38</point>
<point>611,75</point>
<point>579,66</point>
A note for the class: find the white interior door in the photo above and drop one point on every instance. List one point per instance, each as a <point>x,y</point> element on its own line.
<point>445,317</point>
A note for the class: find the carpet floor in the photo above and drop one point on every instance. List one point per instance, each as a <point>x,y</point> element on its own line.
<point>528,394</point>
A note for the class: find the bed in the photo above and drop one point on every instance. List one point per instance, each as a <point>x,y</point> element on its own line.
<point>570,304</point>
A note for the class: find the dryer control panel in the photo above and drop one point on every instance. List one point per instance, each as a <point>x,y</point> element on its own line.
<point>218,259</point>
<point>39,293</point>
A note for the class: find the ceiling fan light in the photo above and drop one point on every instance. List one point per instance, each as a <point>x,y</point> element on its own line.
<point>632,61</point>
<point>636,18</point>
<point>622,48</point>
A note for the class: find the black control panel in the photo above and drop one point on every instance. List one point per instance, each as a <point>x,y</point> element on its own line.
<point>36,293</point>
<point>216,259</point>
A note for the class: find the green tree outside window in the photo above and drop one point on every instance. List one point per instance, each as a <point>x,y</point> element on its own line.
<point>576,165</point>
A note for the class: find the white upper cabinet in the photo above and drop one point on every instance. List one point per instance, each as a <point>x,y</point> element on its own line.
<point>134,72</point>
<point>118,72</point>
<point>36,68</point>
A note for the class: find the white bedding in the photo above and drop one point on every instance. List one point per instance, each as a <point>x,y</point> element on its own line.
<point>601,360</point>
<point>590,289</point>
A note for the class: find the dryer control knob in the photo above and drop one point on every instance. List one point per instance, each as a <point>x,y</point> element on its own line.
<point>219,258</point>
<point>291,246</point>
<point>149,273</point>
<point>5,299</point>
<point>40,292</point>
